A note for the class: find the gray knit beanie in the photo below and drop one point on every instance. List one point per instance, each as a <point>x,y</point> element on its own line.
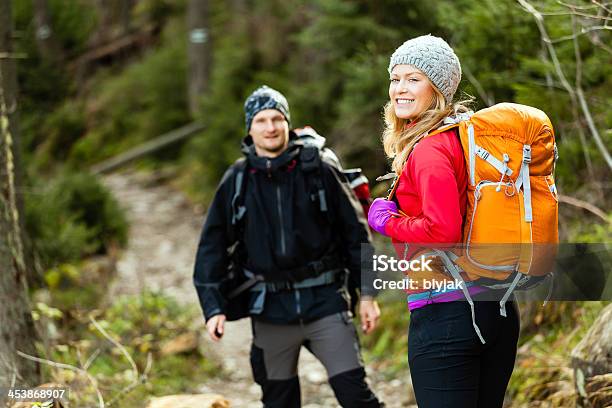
<point>435,58</point>
<point>263,98</point>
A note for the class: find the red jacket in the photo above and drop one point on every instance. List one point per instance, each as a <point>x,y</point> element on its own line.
<point>432,193</point>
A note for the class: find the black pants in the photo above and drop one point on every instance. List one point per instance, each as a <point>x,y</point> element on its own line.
<point>331,339</point>
<point>449,365</point>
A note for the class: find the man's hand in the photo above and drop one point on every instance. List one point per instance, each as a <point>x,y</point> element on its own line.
<point>369,313</point>
<point>215,326</point>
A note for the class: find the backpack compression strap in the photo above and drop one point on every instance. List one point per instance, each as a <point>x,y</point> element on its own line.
<point>310,160</point>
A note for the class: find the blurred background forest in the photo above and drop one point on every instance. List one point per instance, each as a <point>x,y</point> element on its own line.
<point>95,81</point>
<point>95,78</point>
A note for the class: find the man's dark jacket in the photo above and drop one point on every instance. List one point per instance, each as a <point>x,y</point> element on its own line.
<point>283,229</point>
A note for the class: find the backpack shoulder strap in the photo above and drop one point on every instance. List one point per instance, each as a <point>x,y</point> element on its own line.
<point>442,129</point>
<point>238,209</point>
<point>391,191</point>
<point>310,161</point>
<point>449,123</point>
<point>310,158</point>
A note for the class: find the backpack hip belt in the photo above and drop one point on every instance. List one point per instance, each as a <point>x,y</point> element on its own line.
<point>314,272</point>
<point>325,271</point>
<point>325,278</point>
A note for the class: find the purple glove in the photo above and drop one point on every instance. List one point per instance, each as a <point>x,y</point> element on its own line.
<point>379,214</point>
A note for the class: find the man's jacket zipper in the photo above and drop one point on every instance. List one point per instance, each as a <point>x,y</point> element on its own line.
<point>280,219</point>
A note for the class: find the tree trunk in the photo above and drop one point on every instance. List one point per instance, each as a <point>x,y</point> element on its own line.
<point>592,358</point>
<point>8,82</point>
<point>126,16</point>
<point>104,27</point>
<point>199,52</point>
<point>16,325</point>
<point>47,44</point>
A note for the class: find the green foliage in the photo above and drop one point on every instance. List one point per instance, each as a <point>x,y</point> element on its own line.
<point>61,129</point>
<point>130,317</point>
<point>501,52</point>
<point>71,290</point>
<point>328,57</point>
<point>146,100</point>
<point>71,217</point>
<point>44,84</point>
<point>72,24</point>
<point>142,325</point>
<point>387,347</point>
<point>353,76</point>
<point>543,364</point>
<point>490,39</point>
<point>231,81</point>
<point>593,233</point>
<point>359,126</point>
<point>156,11</point>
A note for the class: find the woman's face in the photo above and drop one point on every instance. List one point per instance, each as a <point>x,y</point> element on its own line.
<point>410,91</point>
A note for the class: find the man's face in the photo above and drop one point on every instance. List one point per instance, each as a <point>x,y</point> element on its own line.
<point>270,133</point>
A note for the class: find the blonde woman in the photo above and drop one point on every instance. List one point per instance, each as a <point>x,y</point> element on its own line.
<point>450,366</point>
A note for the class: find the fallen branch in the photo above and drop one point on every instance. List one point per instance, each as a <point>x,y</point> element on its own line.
<point>147,148</point>
<point>91,379</point>
<point>141,380</point>
<point>138,378</point>
<point>13,55</point>
<point>114,46</point>
<point>575,202</point>
<point>91,359</point>
<point>117,344</point>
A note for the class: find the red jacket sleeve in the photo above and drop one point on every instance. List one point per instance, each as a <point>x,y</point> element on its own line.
<point>431,168</point>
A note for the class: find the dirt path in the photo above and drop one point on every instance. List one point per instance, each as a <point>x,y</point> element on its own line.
<point>163,237</point>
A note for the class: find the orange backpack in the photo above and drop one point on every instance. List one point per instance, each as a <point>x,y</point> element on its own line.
<point>511,225</point>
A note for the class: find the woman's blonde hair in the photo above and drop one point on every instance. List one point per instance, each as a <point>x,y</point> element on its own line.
<point>400,135</point>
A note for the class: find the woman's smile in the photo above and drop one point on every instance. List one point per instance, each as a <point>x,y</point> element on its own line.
<point>409,91</point>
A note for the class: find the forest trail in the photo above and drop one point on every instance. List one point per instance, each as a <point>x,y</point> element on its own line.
<point>164,231</point>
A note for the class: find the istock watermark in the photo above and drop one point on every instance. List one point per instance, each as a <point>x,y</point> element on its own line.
<point>426,284</point>
<point>556,272</point>
<point>384,263</point>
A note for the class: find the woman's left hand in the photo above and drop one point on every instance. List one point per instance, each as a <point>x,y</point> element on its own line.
<point>380,212</point>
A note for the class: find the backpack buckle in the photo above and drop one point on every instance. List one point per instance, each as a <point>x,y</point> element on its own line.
<point>526,154</point>
<point>278,286</point>
<point>318,266</point>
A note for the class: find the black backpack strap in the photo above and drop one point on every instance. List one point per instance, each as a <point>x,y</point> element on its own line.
<point>240,181</point>
<point>237,207</point>
<point>310,159</point>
